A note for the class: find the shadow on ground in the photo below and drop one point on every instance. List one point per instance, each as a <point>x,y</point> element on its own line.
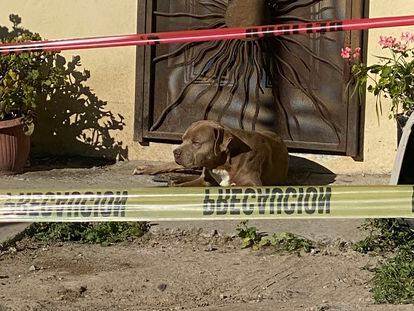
<point>42,162</point>
<point>301,172</point>
<point>306,172</point>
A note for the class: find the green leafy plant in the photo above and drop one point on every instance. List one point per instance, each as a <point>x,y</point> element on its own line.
<point>26,79</point>
<point>95,233</point>
<point>280,241</point>
<point>392,77</point>
<point>393,280</point>
<point>290,242</point>
<point>385,235</point>
<point>249,235</point>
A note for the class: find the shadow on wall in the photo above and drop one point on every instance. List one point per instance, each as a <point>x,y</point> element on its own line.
<point>73,121</point>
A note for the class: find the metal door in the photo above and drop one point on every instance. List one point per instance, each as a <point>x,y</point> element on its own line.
<point>293,85</point>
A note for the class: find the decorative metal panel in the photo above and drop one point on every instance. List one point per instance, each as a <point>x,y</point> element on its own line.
<point>293,85</point>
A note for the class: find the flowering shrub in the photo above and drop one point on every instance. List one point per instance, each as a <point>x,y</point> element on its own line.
<point>392,77</point>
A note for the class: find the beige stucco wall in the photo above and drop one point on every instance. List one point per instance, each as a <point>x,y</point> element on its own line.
<point>113,70</point>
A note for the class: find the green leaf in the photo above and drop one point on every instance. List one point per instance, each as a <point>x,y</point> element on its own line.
<point>386,71</point>
<point>13,75</point>
<point>264,242</point>
<point>246,242</point>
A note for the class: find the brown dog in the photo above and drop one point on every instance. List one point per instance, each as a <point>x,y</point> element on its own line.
<point>228,157</point>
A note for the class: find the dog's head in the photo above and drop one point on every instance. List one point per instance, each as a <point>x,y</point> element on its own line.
<point>207,144</point>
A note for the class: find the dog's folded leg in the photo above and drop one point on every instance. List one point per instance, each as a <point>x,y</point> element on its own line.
<point>181,179</point>
<point>252,180</point>
<point>158,169</point>
<point>198,182</point>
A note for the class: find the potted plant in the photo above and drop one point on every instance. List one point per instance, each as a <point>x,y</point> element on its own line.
<point>26,81</point>
<point>392,77</point>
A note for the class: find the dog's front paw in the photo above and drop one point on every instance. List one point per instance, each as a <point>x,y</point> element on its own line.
<point>144,170</point>
<point>138,171</point>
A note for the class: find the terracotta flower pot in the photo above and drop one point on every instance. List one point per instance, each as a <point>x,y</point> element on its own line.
<point>14,147</point>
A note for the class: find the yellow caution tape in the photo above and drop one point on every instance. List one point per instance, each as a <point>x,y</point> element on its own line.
<point>156,204</point>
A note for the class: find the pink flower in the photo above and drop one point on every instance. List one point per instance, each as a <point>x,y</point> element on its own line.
<point>357,53</point>
<point>346,53</point>
<point>402,47</point>
<point>387,41</point>
<point>406,36</point>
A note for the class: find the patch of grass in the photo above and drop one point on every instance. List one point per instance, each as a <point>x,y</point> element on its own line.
<point>393,281</point>
<point>384,235</point>
<point>280,241</point>
<point>95,233</point>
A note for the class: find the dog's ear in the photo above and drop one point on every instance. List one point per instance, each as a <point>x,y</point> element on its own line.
<point>226,141</point>
<point>218,139</point>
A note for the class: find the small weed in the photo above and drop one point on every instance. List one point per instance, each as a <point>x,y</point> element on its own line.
<point>290,242</point>
<point>280,241</point>
<point>95,233</point>
<point>249,235</point>
<point>393,281</point>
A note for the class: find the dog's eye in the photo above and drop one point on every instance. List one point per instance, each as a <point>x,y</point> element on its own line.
<point>196,144</point>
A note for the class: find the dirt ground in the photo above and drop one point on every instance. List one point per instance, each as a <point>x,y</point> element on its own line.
<point>184,270</point>
<point>187,266</point>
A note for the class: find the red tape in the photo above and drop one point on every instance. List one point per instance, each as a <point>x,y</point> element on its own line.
<point>207,35</point>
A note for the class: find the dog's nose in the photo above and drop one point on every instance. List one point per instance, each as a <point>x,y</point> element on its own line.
<point>177,153</point>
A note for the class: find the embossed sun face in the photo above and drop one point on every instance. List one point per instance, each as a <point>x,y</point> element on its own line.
<point>235,65</point>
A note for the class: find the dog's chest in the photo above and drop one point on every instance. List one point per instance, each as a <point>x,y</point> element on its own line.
<point>222,177</point>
